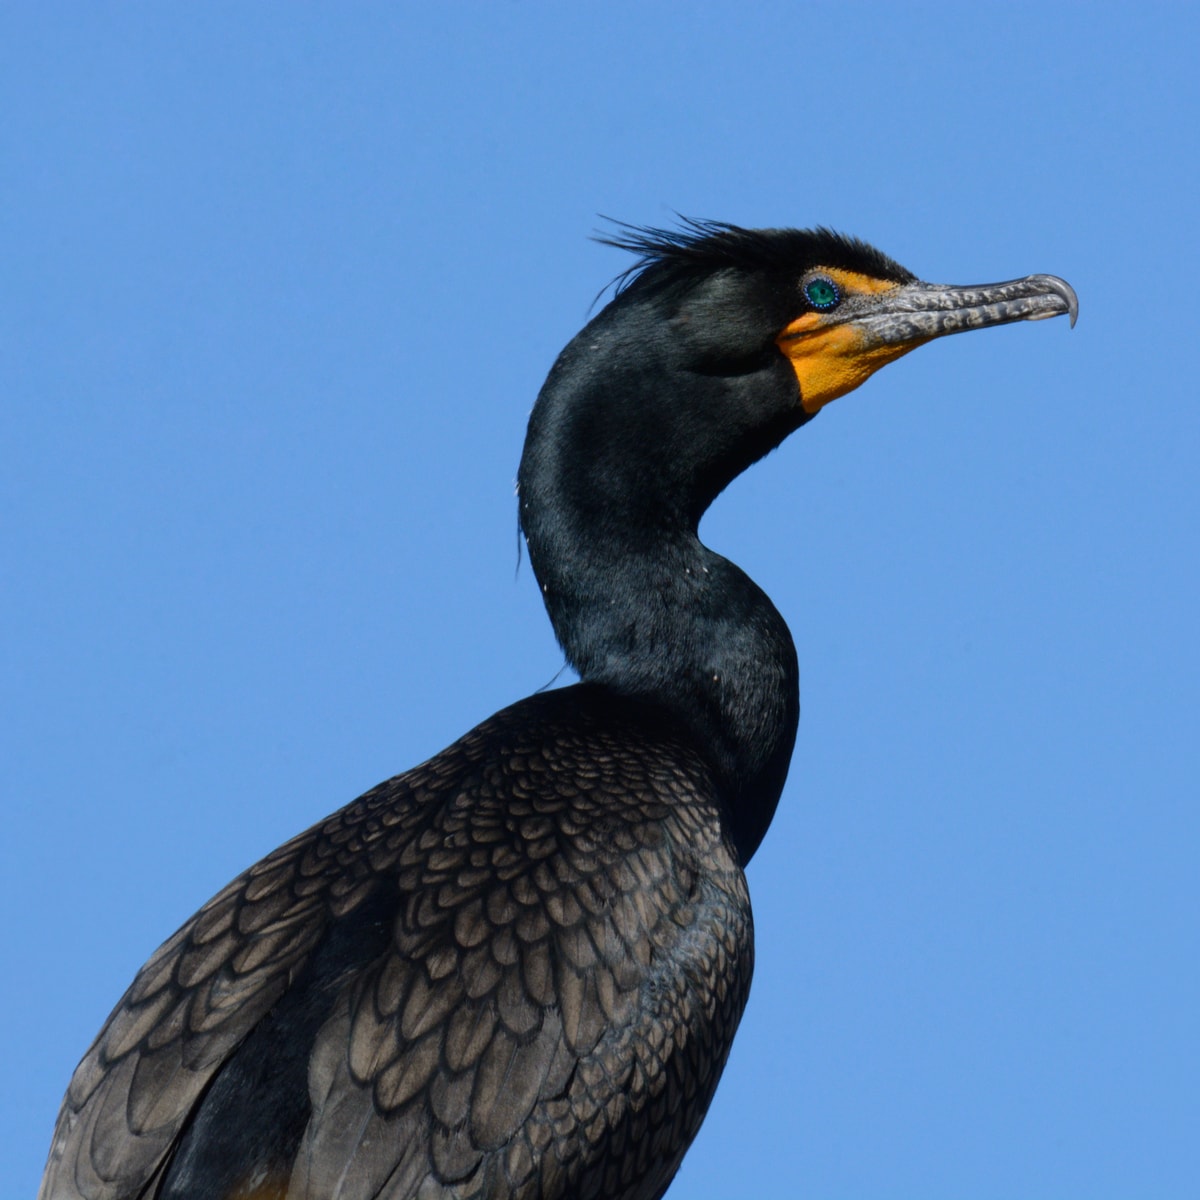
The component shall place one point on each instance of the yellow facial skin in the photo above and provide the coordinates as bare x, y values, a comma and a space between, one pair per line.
830, 354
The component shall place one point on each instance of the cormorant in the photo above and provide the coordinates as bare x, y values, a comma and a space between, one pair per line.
515, 971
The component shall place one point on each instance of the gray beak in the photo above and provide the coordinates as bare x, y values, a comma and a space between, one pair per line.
916, 312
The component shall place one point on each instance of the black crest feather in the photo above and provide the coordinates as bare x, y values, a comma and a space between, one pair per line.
666, 257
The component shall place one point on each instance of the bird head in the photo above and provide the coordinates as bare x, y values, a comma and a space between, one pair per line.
834, 306
718, 344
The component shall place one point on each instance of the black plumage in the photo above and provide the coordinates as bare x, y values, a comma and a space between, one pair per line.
516, 970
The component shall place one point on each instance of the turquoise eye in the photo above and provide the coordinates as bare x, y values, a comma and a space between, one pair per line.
821, 293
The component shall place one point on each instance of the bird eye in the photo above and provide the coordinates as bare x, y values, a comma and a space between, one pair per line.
822, 293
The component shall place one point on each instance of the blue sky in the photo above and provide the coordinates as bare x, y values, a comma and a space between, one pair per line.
281, 284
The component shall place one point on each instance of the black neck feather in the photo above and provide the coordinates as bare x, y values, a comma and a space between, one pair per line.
626, 448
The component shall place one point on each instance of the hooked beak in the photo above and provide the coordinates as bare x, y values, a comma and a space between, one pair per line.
916, 312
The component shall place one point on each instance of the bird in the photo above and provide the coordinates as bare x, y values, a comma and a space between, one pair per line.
515, 971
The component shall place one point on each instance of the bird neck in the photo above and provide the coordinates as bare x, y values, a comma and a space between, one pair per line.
633, 435
653, 614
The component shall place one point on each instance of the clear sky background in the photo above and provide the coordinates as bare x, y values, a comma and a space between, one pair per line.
280, 284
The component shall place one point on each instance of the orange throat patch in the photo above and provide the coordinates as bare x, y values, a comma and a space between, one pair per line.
832, 356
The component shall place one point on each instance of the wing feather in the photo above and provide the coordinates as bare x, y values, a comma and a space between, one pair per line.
544, 950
